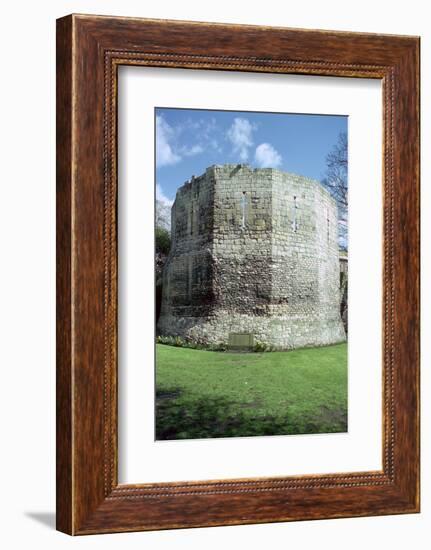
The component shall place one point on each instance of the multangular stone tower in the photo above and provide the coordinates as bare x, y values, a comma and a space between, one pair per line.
254, 252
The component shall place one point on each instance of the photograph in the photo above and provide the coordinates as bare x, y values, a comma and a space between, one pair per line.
251, 273
216, 275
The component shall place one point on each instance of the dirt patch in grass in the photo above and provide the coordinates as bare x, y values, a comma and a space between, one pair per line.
167, 394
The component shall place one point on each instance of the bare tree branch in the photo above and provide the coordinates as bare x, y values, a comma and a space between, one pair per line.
163, 215
335, 181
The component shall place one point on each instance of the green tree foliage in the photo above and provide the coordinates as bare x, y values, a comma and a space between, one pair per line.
163, 240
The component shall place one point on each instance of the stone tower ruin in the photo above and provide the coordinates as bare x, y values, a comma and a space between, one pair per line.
254, 252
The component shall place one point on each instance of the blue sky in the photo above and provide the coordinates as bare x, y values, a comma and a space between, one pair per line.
189, 140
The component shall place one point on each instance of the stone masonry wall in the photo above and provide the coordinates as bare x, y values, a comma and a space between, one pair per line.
253, 251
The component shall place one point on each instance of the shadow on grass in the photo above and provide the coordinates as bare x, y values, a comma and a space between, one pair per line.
211, 417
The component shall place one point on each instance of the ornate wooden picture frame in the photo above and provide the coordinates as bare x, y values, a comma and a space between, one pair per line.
89, 51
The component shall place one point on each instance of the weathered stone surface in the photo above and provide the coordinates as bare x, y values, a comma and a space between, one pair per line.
253, 251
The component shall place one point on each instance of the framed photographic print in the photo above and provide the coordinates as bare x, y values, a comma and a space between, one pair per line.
237, 274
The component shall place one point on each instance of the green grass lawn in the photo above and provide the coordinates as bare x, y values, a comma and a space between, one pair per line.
214, 394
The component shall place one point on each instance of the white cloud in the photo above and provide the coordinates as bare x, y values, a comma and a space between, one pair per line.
164, 151
240, 135
169, 150
163, 209
193, 150
160, 196
266, 156
216, 146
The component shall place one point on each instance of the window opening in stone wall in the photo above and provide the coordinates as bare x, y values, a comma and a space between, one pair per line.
189, 277
243, 208
294, 222
191, 219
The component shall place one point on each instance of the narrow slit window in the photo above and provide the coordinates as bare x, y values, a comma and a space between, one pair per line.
295, 221
243, 209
